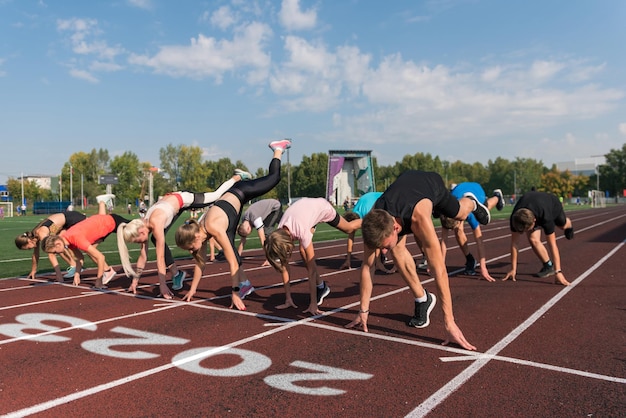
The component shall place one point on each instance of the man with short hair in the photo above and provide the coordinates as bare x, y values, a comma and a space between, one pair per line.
407, 207
533, 212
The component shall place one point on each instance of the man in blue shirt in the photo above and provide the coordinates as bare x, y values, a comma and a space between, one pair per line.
447, 224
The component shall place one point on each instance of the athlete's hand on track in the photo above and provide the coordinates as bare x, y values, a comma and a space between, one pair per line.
359, 322
455, 335
510, 275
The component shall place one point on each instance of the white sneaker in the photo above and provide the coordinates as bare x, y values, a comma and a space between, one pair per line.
245, 288
108, 276
71, 270
243, 174
107, 199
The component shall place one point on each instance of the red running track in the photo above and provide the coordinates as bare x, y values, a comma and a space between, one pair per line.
543, 349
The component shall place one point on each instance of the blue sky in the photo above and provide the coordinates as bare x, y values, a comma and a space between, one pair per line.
468, 80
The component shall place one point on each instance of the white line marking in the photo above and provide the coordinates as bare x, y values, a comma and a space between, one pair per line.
436, 398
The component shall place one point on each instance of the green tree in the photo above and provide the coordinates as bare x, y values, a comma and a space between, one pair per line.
527, 174
501, 173
192, 172
170, 166
32, 192
309, 178
613, 173
128, 171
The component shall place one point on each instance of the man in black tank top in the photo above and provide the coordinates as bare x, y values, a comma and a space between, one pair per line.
406, 207
534, 212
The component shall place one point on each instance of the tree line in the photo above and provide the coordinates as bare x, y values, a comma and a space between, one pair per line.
183, 168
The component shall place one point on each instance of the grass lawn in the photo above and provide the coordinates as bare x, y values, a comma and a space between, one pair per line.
15, 262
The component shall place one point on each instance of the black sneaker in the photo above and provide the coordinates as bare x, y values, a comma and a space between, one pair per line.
546, 271
569, 233
322, 293
498, 193
421, 319
470, 265
481, 212
220, 256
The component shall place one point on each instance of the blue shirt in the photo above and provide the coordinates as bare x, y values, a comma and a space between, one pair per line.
477, 190
366, 203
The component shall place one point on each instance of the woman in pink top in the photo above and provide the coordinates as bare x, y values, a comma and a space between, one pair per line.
298, 223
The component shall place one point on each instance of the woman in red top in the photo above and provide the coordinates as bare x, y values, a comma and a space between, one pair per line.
85, 236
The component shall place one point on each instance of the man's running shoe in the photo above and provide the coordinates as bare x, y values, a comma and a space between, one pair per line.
108, 276
421, 319
498, 193
71, 271
177, 280
546, 271
245, 288
243, 174
283, 144
480, 212
423, 265
470, 265
569, 233
322, 293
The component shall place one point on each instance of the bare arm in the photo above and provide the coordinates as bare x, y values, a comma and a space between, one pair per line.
515, 236
197, 272
423, 228
480, 248
347, 263
556, 259
308, 256
369, 256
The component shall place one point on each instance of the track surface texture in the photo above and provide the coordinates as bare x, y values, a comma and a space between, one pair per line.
542, 349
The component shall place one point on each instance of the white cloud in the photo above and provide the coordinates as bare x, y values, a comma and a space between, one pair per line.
84, 75
622, 128
223, 18
545, 70
210, 57
2, 72
93, 52
292, 18
141, 4
315, 78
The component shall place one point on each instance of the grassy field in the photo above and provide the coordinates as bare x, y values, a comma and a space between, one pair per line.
15, 262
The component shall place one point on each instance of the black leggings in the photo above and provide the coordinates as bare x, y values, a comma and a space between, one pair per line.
245, 191
248, 190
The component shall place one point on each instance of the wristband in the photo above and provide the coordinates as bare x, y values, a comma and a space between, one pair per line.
558, 271
258, 223
362, 311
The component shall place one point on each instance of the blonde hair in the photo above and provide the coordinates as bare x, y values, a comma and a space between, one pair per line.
377, 225
278, 247
186, 235
522, 219
49, 242
126, 232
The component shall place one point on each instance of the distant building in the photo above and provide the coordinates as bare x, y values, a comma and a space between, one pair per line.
43, 181
582, 166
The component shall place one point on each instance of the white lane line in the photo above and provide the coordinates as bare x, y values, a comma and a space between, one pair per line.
436, 398
536, 365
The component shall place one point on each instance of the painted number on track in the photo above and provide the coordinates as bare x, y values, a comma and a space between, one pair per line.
249, 363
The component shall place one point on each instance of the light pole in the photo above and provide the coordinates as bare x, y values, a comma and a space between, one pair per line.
71, 184
288, 179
